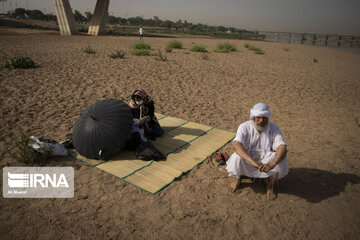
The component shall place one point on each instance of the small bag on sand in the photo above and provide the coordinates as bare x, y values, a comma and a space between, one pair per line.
42, 145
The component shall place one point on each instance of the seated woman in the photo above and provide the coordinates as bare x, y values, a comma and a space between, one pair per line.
142, 107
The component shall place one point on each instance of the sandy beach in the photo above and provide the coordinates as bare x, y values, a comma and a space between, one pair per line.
315, 104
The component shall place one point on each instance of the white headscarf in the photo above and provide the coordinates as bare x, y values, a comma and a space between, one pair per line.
260, 110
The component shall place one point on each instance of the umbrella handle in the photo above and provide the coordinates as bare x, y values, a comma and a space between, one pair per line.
146, 124
141, 111
100, 157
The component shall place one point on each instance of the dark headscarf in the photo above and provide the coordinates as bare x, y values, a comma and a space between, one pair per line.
141, 93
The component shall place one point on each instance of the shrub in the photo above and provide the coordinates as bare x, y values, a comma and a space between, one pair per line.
197, 48
259, 52
286, 49
22, 152
169, 50
160, 56
89, 50
141, 52
204, 56
118, 54
315, 60
255, 49
19, 62
174, 44
140, 45
225, 48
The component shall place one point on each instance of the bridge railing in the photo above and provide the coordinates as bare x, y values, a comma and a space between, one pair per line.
345, 41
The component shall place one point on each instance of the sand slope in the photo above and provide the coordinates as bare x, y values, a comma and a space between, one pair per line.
316, 105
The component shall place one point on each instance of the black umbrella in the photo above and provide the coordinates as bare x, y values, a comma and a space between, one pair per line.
101, 131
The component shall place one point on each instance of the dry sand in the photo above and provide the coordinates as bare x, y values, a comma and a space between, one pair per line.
316, 105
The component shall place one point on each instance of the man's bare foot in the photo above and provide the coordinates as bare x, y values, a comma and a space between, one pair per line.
235, 184
270, 195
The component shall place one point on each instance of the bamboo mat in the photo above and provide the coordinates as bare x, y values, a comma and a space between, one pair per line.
186, 145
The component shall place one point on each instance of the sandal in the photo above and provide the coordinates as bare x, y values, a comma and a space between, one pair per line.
219, 158
225, 156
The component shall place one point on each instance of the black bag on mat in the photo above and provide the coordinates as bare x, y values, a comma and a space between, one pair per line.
147, 151
133, 142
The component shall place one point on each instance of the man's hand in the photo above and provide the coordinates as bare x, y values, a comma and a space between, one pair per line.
279, 156
266, 167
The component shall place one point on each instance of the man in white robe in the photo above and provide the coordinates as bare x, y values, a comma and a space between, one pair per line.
260, 151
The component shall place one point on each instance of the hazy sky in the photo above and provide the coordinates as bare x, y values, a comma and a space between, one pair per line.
311, 16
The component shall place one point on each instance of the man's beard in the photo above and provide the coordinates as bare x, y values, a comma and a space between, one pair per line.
260, 127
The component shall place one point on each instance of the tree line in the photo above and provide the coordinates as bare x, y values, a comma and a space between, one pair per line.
155, 22
179, 25
32, 14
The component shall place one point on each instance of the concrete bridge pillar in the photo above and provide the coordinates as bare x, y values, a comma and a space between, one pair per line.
65, 17
98, 20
